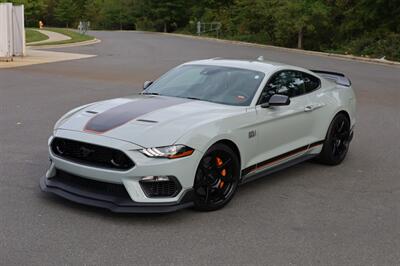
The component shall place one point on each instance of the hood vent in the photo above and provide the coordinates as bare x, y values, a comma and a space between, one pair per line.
92, 112
147, 121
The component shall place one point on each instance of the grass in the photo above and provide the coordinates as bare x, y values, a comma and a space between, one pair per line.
75, 36
32, 35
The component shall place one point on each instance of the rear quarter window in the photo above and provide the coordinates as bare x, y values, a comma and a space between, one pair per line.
311, 82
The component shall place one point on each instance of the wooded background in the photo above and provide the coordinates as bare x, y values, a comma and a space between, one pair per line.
360, 27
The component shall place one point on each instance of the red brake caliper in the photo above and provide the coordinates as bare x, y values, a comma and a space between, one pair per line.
223, 172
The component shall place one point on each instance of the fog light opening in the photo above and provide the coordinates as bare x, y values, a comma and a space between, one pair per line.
160, 186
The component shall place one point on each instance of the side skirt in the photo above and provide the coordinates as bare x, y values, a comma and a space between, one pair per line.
268, 171
251, 173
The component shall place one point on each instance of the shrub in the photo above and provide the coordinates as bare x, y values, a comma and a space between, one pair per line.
387, 45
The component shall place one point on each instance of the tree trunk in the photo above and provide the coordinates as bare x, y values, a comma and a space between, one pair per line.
120, 18
300, 39
165, 27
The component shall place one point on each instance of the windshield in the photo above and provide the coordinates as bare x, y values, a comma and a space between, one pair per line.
226, 85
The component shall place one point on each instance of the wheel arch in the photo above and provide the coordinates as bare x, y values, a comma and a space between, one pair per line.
231, 145
342, 111
345, 113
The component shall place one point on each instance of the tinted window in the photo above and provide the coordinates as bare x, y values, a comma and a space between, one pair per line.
290, 83
311, 82
227, 85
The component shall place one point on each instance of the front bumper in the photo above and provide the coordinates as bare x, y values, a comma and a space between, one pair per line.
135, 199
118, 204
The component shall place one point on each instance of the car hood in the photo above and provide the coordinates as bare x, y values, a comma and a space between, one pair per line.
147, 121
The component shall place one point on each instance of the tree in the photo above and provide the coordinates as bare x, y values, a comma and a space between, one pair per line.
66, 12
118, 14
255, 17
164, 16
299, 18
92, 12
366, 27
34, 10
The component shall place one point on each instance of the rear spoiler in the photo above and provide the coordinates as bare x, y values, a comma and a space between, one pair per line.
338, 78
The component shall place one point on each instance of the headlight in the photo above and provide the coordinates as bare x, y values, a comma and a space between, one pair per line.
170, 152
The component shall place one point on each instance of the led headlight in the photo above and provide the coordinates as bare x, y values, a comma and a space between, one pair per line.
170, 152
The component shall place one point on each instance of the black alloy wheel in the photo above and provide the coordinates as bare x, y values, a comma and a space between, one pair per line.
337, 142
217, 178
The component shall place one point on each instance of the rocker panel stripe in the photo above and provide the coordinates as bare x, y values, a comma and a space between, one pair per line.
272, 161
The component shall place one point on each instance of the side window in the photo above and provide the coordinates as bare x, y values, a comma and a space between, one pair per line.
311, 82
289, 82
286, 82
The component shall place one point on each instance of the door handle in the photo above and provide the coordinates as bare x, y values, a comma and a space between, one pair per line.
312, 107
309, 108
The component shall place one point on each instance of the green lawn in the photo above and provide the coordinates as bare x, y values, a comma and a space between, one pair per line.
32, 35
75, 36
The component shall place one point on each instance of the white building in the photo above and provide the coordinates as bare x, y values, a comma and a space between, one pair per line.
12, 31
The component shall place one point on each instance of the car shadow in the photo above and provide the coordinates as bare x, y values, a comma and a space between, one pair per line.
253, 187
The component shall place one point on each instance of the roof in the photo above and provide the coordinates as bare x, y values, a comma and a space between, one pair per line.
257, 65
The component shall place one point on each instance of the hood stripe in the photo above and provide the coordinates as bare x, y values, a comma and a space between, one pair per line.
119, 115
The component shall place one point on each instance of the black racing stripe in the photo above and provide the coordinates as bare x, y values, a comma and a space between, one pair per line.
119, 115
265, 163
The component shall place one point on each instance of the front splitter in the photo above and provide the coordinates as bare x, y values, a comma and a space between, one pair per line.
97, 200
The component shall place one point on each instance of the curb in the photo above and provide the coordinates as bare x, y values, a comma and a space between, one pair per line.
50, 39
338, 56
37, 57
66, 45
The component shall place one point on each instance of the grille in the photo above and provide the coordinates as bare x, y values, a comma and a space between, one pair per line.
90, 154
93, 186
154, 189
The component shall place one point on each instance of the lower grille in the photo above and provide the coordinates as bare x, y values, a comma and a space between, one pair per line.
154, 189
91, 186
90, 154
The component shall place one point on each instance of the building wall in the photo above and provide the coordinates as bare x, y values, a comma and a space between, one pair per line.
12, 31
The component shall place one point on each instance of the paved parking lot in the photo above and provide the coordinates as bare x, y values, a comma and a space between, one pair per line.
306, 215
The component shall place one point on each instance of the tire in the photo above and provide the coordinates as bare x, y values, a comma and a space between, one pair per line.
217, 178
337, 141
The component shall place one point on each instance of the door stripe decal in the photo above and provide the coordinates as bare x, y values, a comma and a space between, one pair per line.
276, 159
122, 114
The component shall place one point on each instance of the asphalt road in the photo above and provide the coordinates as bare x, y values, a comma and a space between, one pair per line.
306, 215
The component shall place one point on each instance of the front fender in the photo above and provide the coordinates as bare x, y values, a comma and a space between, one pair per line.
235, 129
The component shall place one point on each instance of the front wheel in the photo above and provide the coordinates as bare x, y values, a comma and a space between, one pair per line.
217, 178
337, 141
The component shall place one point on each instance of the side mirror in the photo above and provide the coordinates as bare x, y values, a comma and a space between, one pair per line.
146, 84
277, 100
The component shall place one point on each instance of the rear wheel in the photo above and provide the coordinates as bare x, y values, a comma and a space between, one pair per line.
217, 178
337, 141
